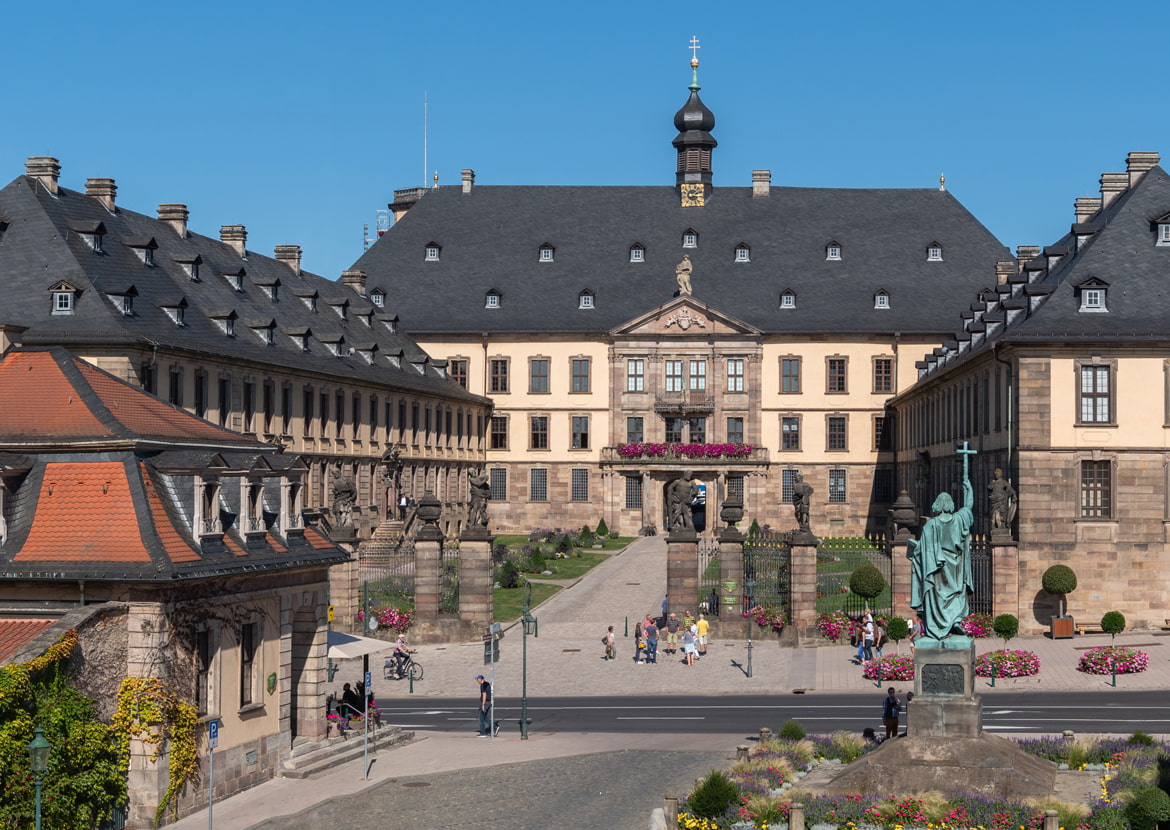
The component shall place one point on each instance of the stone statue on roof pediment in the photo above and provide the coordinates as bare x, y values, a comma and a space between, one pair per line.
682, 273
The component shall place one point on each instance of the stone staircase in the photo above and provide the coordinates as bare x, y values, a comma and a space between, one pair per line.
311, 757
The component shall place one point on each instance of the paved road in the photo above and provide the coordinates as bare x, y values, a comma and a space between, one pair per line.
606, 791
1118, 712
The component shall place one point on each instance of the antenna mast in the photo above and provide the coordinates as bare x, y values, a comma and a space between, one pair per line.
425, 165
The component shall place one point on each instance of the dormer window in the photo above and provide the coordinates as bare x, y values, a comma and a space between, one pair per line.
432, 252
235, 279
637, 253
881, 300
190, 266
335, 347
124, 301
743, 253
1092, 293
176, 310
299, 337
546, 252
144, 249
833, 252
378, 297
64, 296
390, 322
788, 299
585, 300
934, 252
266, 332
225, 321
367, 319
492, 300
690, 239
341, 308
1163, 240
92, 234
367, 354
310, 300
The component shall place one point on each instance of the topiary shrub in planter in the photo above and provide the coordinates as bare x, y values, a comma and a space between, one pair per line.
867, 582
712, 797
1113, 623
1059, 580
1148, 806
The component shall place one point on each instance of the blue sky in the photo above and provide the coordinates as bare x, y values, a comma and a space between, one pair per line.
299, 119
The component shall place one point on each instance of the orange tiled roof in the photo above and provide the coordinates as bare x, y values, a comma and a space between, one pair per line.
85, 513
16, 634
37, 400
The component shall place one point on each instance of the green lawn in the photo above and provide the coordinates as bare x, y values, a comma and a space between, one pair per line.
507, 602
572, 567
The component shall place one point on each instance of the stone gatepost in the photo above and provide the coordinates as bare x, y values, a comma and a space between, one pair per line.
804, 584
682, 571
147, 777
428, 551
900, 578
1005, 575
475, 577
731, 622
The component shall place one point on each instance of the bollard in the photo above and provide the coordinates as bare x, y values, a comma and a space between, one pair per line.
796, 817
671, 810
1068, 733
741, 752
1051, 820
765, 734
627, 626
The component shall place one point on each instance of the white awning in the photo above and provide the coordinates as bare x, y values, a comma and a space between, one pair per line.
345, 646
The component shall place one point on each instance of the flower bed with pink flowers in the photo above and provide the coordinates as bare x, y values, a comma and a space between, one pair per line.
978, 625
833, 625
890, 667
1007, 663
767, 618
644, 450
1107, 659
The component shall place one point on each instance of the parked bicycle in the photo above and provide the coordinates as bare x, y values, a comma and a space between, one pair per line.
412, 669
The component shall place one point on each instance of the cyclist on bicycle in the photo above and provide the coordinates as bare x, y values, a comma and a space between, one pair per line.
401, 654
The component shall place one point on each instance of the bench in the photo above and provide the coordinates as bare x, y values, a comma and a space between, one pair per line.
1089, 628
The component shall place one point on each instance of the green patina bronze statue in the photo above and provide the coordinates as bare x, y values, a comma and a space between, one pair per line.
940, 567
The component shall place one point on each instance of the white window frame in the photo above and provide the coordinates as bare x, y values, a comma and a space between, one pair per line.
833, 253
378, 299
585, 300
491, 300
881, 301
432, 253
934, 253
1093, 300
788, 300
743, 253
1164, 233
546, 253
690, 239
637, 254
62, 302
674, 376
635, 374
735, 374
697, 375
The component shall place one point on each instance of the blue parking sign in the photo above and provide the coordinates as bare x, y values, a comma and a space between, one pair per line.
213, 733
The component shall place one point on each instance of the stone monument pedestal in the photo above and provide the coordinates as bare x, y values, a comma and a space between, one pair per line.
945, 704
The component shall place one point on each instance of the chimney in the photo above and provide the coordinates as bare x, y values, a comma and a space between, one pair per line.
104, 190
1025, 254
45, 169
355, 280
236, 236
10, 337
1112, 186
290, 255
1004, 270
175, 215
761, 182
468, 180
1086, 206
1137, 163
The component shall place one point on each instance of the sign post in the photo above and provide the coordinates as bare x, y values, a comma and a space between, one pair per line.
212, 743
367, 691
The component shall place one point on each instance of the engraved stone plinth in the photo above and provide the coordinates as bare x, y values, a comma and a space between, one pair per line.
945, 704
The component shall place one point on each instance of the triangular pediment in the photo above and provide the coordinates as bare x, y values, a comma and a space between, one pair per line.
684, 316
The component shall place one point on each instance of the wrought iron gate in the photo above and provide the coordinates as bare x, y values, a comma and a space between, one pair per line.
708, 569
767, 572
837, 559
982, 598
449, 580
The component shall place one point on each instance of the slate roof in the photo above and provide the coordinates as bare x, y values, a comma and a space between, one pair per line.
489, 240
50, 395
42, 245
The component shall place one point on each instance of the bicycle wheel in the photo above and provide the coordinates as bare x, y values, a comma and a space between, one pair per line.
415, 670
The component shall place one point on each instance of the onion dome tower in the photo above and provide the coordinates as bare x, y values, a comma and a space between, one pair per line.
694, 143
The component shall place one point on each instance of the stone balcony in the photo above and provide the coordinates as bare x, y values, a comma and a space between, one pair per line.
684, 403
758, 457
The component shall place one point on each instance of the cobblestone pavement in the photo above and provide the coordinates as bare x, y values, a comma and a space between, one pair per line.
605, 791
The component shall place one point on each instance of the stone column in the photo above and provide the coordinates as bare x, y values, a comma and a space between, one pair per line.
900, 577
682, 571
731, 623
804, 587
475, 577
147, 776
428, 550
345, 595
646, 514
1005, 576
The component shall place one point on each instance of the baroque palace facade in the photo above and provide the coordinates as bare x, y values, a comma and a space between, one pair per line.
765, 327
251, 343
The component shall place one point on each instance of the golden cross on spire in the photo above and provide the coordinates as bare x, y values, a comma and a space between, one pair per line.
694, 48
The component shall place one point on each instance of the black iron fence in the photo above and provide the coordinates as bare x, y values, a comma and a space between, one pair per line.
837, 559
767, 572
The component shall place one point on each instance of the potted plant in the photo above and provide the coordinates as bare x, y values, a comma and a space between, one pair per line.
1060, 580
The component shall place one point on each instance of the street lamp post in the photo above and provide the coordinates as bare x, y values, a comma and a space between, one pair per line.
528, 622
750, 585
38, 752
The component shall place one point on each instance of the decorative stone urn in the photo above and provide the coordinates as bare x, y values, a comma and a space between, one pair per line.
904, 515
732, 511
429, 510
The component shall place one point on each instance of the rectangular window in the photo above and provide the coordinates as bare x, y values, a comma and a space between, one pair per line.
790, 433
735, 374
735, 430
307, 404
579, 490
633, 492
787, 480
880, 437
634, 430
249, 405
373, 417
539, 439
836, 486
735, 487
498, 376
1096, 490
499, 482
538, 375
790, 375
883, 374
538, 484
835, 378
883, 486
249, 645
580, 432
203, 653
698, 375
635, 375
580, 377
674, 376
339, 413
499, 433
286, 409
458, 370
225, 400
200, 395
323, 413
1095, 395
697, 429
268, 405
674, 428
175, 393
835, 435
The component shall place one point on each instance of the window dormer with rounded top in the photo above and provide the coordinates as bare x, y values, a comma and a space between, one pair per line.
743, 252
934, 252
585, 299
492, 299
432, 251
788, 298
637, 253
547, 253
833, 252
690, 238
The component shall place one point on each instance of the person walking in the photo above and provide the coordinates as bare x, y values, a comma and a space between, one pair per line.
879, 638
608, 639
671, 635
485, 708
891, 706
651, 632
701, 629
689, 647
